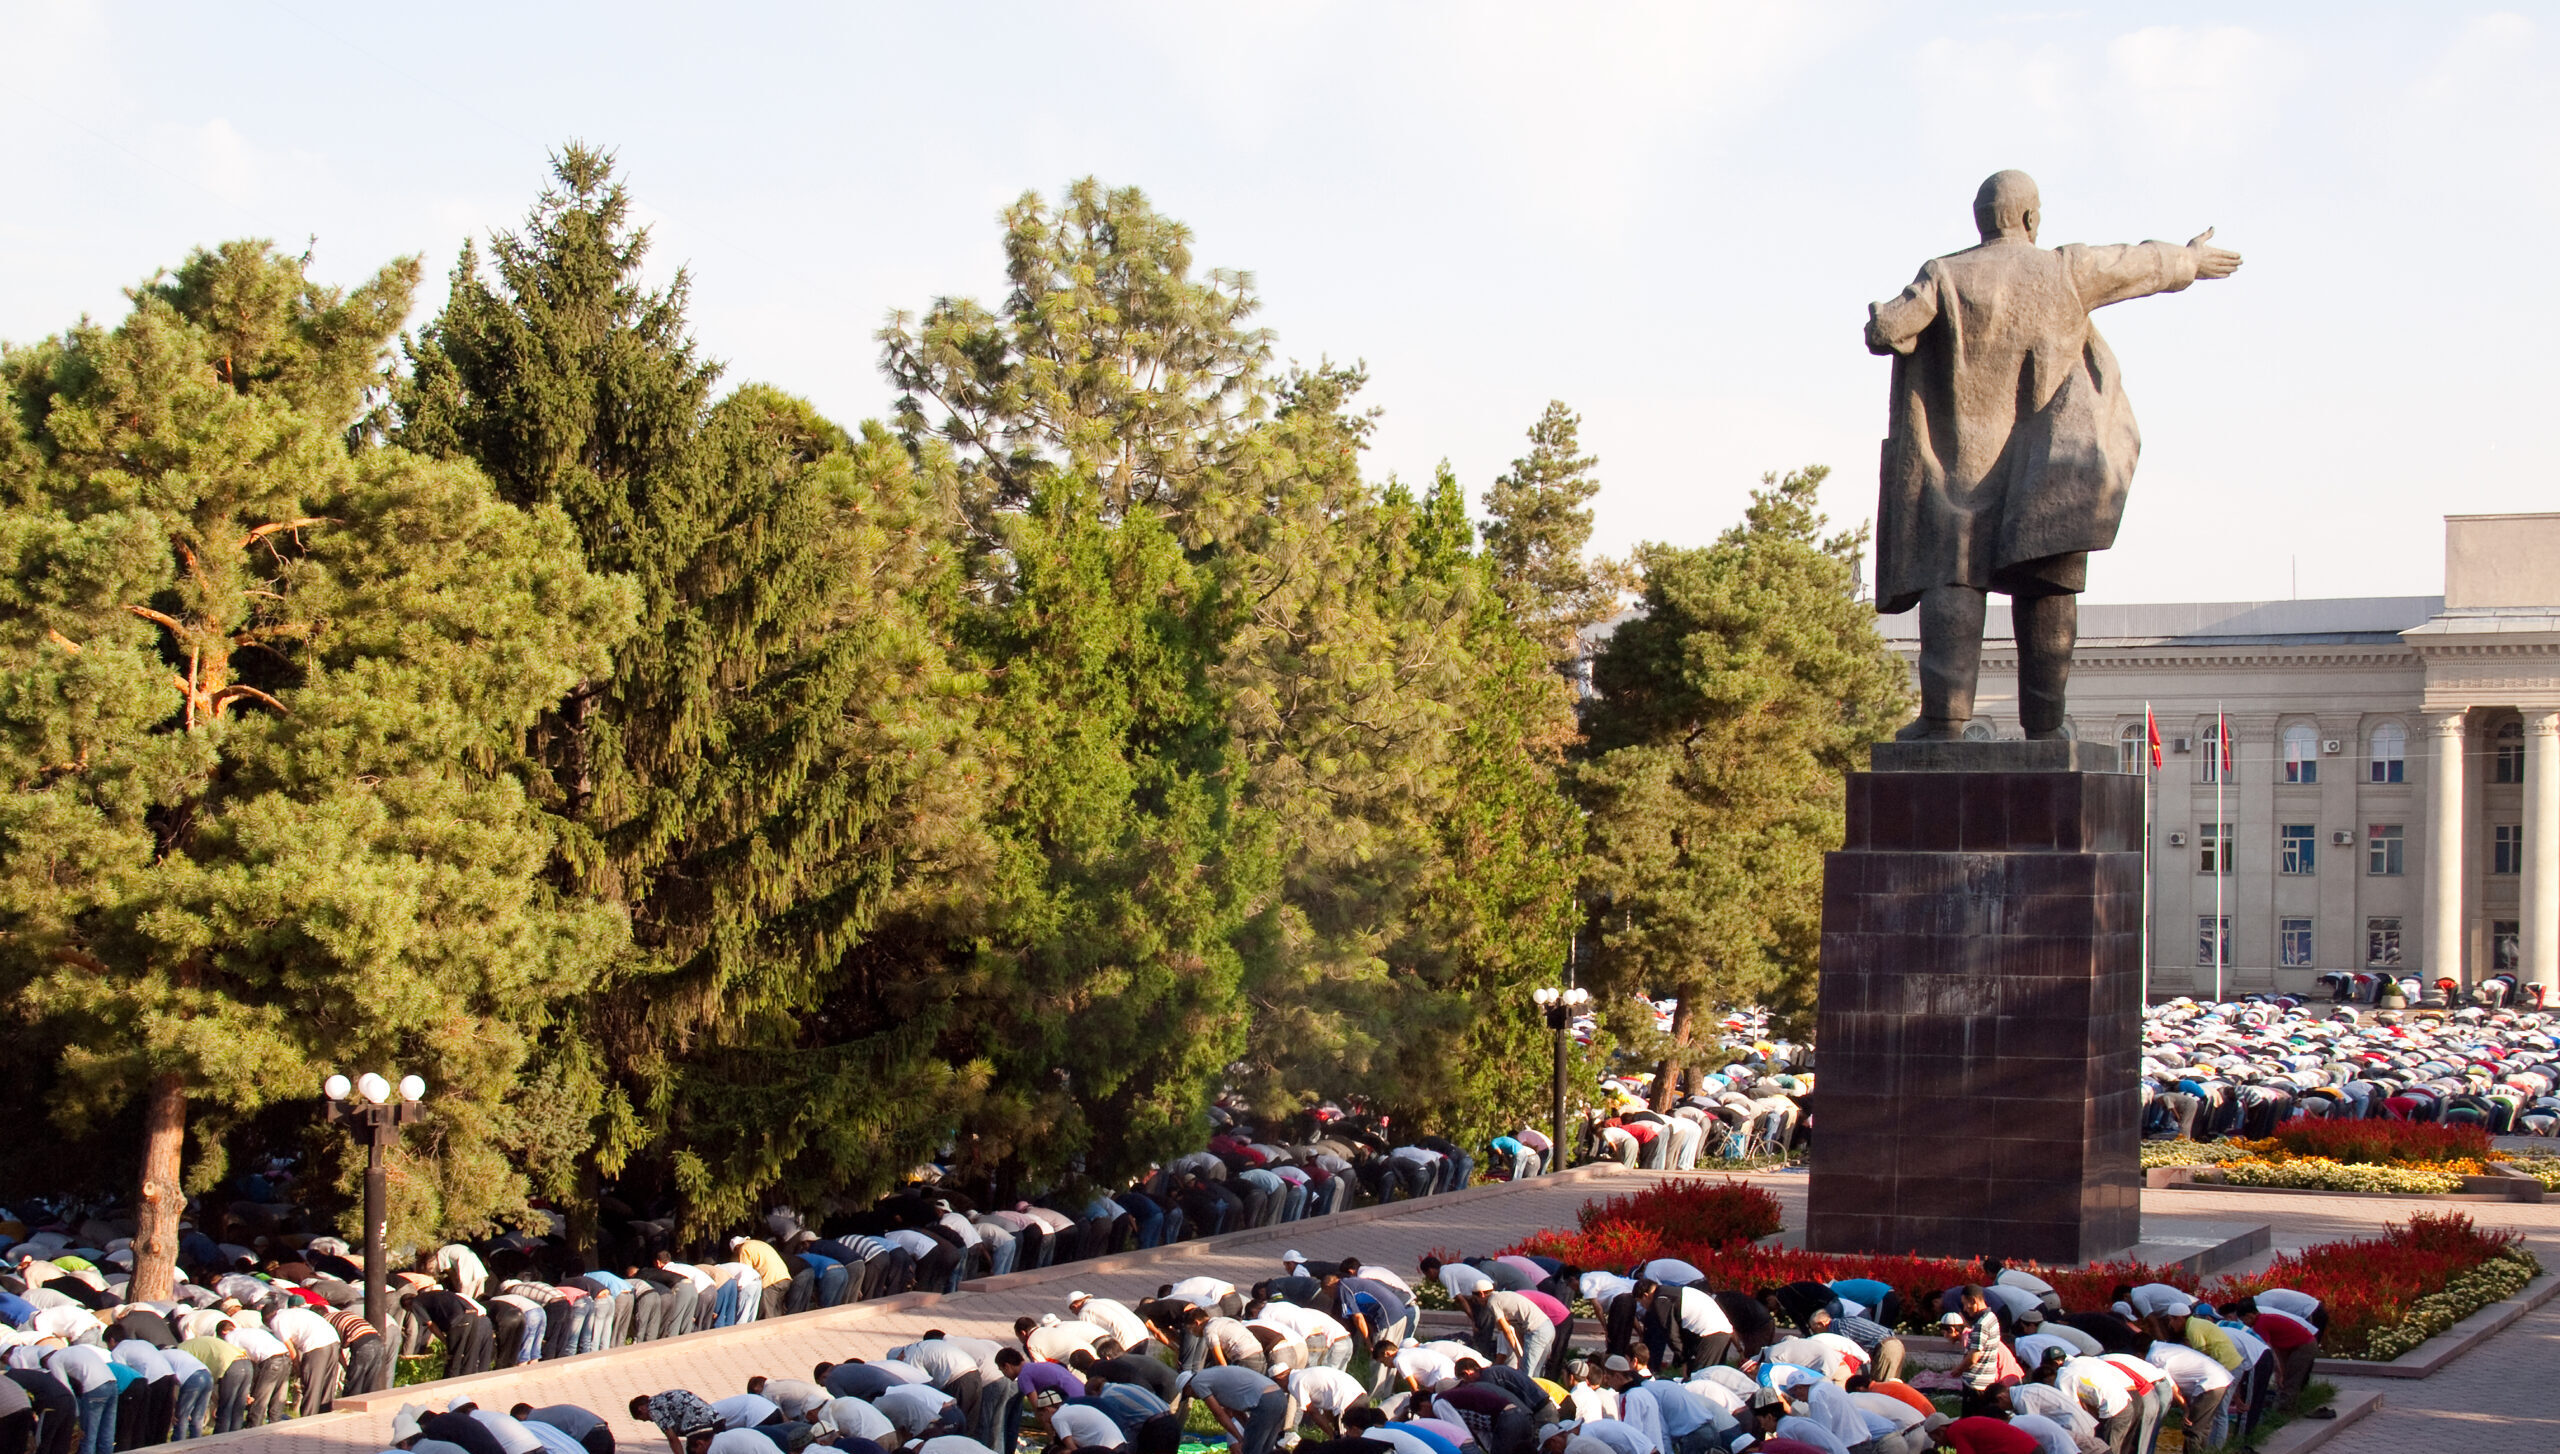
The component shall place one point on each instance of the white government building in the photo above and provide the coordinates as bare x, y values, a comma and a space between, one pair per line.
2393, 800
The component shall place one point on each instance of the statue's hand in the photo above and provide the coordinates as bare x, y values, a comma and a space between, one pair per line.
2212, 262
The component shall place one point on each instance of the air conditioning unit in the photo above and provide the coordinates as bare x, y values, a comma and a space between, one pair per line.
2182, 744
2342, 838
2178, 840
2329, 746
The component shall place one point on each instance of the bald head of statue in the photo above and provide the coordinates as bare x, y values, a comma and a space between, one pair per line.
2007, 206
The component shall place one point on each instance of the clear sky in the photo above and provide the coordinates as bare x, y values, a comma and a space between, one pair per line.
1671, 217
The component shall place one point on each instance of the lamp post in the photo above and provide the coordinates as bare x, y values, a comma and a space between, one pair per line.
1560, 1006
366, 1109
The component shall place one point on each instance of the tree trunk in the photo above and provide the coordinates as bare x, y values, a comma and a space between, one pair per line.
155, 1242
1666, 1078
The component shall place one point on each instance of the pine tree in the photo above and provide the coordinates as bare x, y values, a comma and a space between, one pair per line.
265, 697
1539, 535
778, 756
1729, 710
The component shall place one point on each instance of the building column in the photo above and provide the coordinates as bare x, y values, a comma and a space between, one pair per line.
2445, 736
2540, 892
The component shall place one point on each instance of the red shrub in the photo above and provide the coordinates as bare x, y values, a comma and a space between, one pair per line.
1692, 1213
2375, 1143
2367, 1283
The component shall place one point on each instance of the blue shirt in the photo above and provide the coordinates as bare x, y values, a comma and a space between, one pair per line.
617, 1284
1863, 1290
16, 1311
1439, 1442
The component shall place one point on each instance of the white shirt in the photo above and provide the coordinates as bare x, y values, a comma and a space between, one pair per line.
742, 1441
1622, 1436
952, 1444
1325, 1390
1637, 1409
1701, 1314
744, 1410
1304, 1323
2285, 1300
1052, 1342
2052, 1403
854, 1419
912, 1406
1590, 1401
2096, 1385
302, 1330
2015, 1300
940, 1358
1797, 1426
513, 1437
2194, 1372
1605, 1287
1885, 1406
1461, 1280
1088, 1426
2050, 1437
2012, 1277
1116, 1319
1202, 1291
2158, 1297
1426, 1367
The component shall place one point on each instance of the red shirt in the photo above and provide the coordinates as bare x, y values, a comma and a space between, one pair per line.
2283, 1332
1978, 1435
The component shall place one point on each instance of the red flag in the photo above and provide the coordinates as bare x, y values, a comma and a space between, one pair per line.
2151, 729
2222, 734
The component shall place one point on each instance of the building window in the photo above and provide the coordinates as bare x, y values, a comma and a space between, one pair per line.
2293, 943
2390, 746
2137, 750
2382, 942
2206, 924
2382, 849
2506, 950
2301, 842
2506, 760
2506, 848
2209, 747
2213, 848
2301, 753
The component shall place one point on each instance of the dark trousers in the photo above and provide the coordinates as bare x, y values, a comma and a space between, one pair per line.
231, 1396
54, 1423
368, 1368
268, 1389
469, 1344
319, 1369
133, 1415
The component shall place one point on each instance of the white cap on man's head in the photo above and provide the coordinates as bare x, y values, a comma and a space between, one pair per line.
1076, 1298
1292, 1257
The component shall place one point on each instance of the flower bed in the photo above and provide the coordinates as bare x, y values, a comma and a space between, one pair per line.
2385, 1294
2308, 1155
2380, 1143
2318, 1173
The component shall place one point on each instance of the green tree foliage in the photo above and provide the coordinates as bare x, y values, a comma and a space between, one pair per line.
779, 754
1729, 712
1539, 538
263, 698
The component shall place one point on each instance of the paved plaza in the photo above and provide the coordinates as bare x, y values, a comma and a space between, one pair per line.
2489, 1402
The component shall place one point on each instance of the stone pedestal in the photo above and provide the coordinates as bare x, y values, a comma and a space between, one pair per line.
1980, 1017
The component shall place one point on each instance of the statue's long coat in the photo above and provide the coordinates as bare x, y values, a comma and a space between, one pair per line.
2012, 441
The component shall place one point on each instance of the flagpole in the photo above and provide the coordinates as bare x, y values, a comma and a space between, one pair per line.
2150, 797
2221, 840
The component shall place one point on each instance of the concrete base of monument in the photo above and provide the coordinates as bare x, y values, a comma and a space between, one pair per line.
2200, 1245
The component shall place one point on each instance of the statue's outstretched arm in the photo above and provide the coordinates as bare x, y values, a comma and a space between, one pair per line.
1895, 326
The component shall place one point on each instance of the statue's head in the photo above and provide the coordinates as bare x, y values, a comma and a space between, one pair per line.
2007, 206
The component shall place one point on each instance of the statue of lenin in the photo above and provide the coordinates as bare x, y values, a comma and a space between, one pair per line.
2011, 445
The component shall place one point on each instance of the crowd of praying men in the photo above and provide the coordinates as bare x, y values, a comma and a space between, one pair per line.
2238, 1068
268, 1323
1326, 1357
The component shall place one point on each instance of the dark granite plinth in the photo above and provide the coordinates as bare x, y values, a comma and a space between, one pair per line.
2052, 754
1980, 1017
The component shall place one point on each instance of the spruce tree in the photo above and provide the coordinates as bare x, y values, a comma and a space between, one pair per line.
1539, 536
264, 702
777, 756
1729, 710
